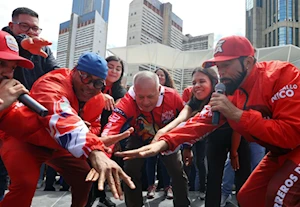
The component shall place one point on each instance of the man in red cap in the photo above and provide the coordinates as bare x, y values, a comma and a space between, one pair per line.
73, 98
263, 105
10, 89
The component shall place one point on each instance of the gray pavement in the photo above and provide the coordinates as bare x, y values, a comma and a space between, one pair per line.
63, 199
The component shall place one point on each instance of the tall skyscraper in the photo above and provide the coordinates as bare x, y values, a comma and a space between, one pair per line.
151, 21
86, 31
200, 42
273, 22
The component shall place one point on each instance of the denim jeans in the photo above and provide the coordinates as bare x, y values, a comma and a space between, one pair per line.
3, 179
257, 152
151, 169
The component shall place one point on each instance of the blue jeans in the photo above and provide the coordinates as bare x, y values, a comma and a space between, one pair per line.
257, 152
3, 179
151, 168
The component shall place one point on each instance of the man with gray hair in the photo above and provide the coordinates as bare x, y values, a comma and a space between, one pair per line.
148, 106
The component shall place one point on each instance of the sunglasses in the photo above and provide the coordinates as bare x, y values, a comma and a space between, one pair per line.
87, 79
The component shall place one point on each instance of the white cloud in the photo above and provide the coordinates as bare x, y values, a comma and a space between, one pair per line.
222, 17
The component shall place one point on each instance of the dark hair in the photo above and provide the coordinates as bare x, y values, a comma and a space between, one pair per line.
169, 81
213, 77
211, 73
24, 10
115, 58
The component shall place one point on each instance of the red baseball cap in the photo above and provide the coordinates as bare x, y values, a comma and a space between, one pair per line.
229, 48
9, 50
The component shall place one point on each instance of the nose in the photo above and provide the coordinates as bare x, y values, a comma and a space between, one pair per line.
9, 74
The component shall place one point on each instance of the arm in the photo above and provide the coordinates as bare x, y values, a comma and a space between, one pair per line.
235, 143
193, 130
183, 116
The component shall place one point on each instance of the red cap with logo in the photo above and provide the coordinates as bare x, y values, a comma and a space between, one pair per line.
229, 48
9, 50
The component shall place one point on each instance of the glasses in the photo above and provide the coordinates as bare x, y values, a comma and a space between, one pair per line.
26, 27
87, 79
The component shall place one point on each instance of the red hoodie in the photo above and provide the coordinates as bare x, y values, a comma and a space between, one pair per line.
62, 127
270, 98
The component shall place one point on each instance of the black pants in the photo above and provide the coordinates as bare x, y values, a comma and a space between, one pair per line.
3, 179
218, 145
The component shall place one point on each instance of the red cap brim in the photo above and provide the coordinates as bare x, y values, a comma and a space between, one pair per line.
212, 62
22, 62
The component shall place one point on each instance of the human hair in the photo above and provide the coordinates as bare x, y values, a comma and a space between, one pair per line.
213, 77
144, 75
115, 58
23, 10
211, 73
169, 81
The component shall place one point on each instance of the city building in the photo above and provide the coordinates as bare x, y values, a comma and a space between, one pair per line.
273, 22
85, 31
151, 21
200, 42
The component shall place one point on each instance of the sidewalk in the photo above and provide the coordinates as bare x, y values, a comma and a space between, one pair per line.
63, 199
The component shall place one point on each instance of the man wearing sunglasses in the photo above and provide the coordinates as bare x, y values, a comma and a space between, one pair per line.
75, 103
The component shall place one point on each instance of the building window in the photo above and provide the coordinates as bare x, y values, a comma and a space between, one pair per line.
259, 3
297, 37
296, 11
274, 11
282, 10
290, 10
266, 40
269, 44
290, 36
282, 36
270, 13
274, 37
132, 37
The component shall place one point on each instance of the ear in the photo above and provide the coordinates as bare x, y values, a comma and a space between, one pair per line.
11, 25
249, 62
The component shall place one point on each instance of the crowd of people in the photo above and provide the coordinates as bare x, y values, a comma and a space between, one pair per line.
97, 133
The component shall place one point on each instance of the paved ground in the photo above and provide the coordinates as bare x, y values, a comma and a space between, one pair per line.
63, 199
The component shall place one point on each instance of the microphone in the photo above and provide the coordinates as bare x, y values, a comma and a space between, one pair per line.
219, 88
33, 105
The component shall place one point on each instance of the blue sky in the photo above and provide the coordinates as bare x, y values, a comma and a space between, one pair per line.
221, 17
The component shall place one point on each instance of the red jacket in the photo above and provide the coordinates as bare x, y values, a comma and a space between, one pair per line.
145, 124
62, 127
270, 98
187, 94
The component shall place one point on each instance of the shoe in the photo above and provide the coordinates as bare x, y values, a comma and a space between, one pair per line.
225, 199
39, 184
169, 192
106, 202
202, 195
49, 188
151, 191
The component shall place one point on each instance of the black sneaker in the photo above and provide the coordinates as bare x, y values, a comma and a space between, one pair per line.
106, 202
49, 188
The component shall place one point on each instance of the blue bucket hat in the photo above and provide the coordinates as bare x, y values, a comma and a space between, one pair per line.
93, 64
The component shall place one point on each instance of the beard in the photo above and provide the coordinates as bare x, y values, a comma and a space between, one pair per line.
233, 84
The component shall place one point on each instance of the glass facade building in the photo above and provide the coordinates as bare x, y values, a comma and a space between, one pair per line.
272, 22
81, 7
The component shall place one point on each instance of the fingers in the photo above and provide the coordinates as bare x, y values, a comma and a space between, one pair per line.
101, 180
19, 89
126, 179
111, 182
43, 53
118, 184
1, 101
93, 175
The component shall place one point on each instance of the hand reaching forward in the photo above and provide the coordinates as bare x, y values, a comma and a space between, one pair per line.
109, 102
113, 139
10, 90
35, 45
146, 151
107, 169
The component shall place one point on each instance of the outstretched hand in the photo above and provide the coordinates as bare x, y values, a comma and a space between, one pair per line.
113, 139
146, 151
35, 45
107, 169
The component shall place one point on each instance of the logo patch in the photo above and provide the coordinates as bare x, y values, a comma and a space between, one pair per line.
219, 46
11, 43
286, 91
